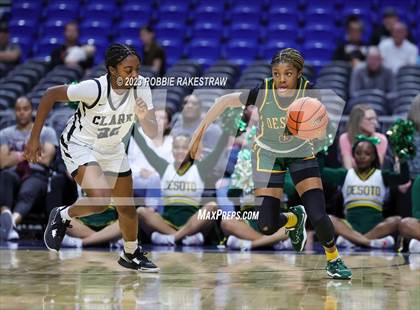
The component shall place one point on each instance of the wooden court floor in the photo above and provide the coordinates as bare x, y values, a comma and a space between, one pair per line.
75, 279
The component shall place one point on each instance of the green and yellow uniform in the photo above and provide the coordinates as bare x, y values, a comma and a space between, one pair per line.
101, 220
364, 195
181, 193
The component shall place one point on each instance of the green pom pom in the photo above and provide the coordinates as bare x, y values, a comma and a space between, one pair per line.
232, 121
401, 138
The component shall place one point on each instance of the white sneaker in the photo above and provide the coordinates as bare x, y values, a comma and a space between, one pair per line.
383, 243
235, 243
162, 239
283, 245
414, 246
343, 242
196, 239
13, 235
71, 242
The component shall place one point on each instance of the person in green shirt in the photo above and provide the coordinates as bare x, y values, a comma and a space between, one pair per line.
275, 151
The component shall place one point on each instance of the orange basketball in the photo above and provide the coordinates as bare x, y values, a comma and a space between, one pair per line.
307, 118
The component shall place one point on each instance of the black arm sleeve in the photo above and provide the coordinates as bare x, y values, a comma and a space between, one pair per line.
393, 179
155, 161
250, 98
205, 166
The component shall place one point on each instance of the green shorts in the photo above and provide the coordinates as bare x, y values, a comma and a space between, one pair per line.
178, 215
363, 219
268, 170
101, 220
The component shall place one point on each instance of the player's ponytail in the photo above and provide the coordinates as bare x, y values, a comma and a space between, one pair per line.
116, 53
289, 55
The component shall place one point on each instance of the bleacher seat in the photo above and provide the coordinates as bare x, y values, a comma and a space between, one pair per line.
139, 11
170, 30
270, 48
62, 11
241, 52
204, 52
207, 31
208, 13
283, 16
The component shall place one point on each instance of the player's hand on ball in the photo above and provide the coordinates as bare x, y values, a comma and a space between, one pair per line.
141, 109
32, 151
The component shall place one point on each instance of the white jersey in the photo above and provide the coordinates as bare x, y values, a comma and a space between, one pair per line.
185, 189
364, 193
103, 117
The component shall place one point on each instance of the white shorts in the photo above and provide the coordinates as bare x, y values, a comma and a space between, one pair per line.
112, 160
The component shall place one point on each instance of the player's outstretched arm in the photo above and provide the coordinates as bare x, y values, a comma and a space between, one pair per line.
52, 95
221, 104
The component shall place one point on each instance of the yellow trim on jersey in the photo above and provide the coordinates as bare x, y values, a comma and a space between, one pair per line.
367, 176
181, 200
296, 96
363, 204
264, 101
265, 170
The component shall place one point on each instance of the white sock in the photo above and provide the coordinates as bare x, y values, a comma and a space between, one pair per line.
65, 214
158, 238
414, 246
130, 246
382, 243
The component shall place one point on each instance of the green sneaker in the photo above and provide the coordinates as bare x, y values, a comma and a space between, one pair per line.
336, 269
297, 234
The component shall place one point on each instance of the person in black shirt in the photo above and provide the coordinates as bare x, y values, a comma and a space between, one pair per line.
72, 52
153, 54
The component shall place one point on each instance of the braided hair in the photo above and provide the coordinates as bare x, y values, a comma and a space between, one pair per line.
289, 55
116, 53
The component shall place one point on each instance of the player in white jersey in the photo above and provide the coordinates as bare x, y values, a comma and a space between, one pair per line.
93, 151
363, 190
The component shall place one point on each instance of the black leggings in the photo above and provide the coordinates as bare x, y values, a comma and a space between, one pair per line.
21, 196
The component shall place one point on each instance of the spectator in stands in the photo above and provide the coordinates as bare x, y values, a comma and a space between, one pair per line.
410, 226
21, 183
363, 120
398, 51
9, 52
146, 180
372, 74
153, 54
383, 31
72, 52
189, 121
353, 49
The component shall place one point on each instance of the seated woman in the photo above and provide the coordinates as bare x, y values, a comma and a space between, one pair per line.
363, 189
363, 120
181, 195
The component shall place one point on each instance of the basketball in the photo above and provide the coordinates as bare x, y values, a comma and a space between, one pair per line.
307, 118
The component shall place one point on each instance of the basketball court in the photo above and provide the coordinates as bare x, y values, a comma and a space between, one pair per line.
210, 278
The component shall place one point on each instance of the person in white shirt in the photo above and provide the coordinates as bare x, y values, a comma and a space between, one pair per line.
398, 51
93, 151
